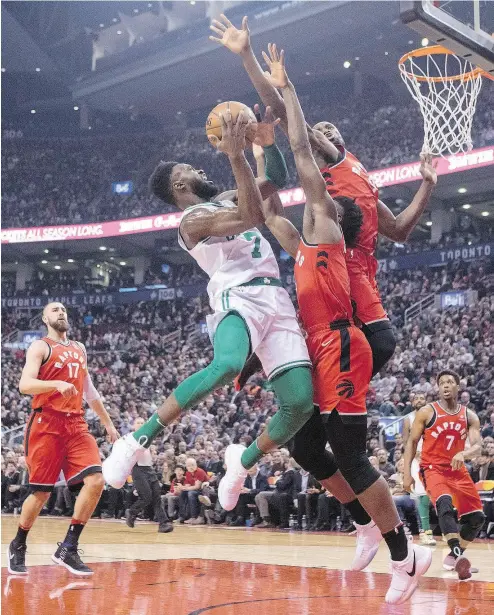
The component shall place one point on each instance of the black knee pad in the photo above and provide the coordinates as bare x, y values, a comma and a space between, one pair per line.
444, 506
382, 342
347, 438
308, 448
471, 524
358, 471
446, 515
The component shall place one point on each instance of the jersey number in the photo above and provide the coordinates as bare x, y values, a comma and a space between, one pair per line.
450, 439
256, 252
75, 367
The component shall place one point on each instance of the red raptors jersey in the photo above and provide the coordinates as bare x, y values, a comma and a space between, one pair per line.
323, 287
349, 178
444, 437
66, 361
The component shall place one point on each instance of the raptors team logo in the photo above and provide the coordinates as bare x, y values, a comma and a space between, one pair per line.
345, 389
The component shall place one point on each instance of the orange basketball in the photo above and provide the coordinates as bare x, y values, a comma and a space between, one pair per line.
213, 123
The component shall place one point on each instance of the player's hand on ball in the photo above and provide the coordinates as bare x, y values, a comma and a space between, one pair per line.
428, 169
458, 461
66, 389
229, 36
232, 141
276, 63
408, 483
265, 127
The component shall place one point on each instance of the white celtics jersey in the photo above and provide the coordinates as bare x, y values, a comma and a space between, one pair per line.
232, 261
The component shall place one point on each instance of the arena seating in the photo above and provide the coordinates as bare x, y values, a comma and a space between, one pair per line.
135, 364
69, 180
139, 352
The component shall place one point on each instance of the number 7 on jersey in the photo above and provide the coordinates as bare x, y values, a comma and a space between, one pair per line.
256, 252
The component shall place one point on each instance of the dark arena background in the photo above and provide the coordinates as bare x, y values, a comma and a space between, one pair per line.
94, 95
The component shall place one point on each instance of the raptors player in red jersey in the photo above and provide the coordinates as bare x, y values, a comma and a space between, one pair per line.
445, 426
340, 353
57, 437
346, 177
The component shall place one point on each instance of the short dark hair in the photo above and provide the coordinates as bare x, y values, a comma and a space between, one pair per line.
352, 220
159, 183
448, 372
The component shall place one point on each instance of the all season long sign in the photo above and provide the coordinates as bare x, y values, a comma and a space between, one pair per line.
295, 196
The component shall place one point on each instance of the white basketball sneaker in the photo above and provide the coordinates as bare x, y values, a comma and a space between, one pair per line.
233, 481
368, 539
119, 464
406, 574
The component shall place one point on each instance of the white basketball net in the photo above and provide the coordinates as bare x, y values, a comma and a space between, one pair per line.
447, 103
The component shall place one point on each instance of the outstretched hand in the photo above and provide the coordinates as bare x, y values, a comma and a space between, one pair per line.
428, 169
234, 39
232, 141
276, 63
265, 127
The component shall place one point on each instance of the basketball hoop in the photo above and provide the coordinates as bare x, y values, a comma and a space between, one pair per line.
446, 88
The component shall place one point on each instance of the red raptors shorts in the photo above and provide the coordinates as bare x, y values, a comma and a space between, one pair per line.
342, 367
458, 484
57, 441
362, 270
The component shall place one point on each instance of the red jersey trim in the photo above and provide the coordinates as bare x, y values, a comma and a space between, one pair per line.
438, 408
67, 344
49, 351
81, 347
323, 245
335, 164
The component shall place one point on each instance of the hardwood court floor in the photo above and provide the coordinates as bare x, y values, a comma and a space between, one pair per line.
225, 571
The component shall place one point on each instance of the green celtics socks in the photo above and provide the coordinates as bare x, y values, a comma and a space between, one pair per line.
293, 389
231, 349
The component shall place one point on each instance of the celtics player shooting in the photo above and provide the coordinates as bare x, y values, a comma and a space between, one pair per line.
251, 310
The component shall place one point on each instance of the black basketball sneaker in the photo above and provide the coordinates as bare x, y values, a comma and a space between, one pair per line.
69, 557
16, 558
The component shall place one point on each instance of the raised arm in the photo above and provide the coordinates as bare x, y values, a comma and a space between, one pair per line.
30, 384
203, 223
285, 232
320, 214
274, 215
238, 41
421, 419
398, 228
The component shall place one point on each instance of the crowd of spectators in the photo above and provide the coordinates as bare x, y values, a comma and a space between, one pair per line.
91, 278
59, 181
94, 279
139, 353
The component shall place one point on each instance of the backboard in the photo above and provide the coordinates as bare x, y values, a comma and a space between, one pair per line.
466, 28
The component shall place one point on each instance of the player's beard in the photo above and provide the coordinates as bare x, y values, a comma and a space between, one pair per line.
59, 325
204, 189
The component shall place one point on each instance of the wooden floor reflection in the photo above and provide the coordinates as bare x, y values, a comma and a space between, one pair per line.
207, 570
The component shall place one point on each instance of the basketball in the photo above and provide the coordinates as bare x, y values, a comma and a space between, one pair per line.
213, 123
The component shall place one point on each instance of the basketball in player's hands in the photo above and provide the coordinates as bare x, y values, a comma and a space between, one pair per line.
233, 139
213, 123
